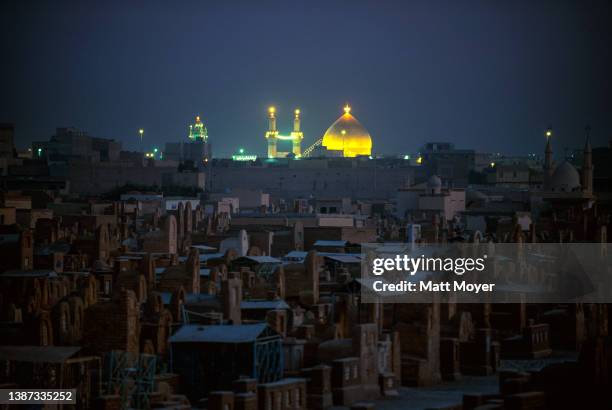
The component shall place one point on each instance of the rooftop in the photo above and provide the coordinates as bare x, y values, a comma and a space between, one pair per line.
262, 259
38, 354
331, 243
264, 304
219, 333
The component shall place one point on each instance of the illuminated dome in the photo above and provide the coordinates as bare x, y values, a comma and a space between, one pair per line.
348, 135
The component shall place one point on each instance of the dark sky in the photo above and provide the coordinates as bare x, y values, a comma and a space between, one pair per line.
489, 75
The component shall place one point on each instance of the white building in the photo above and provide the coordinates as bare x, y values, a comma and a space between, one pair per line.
422, 201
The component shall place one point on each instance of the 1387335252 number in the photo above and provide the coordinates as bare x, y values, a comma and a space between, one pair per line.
35, 396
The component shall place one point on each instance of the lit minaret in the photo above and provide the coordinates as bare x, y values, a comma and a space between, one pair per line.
272, 133
587, 164
272, 119
296, 121
297, 135
548, 161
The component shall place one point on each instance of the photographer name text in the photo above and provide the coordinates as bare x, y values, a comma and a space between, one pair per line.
430, 286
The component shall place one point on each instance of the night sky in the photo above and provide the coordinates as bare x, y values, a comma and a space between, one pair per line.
488, 75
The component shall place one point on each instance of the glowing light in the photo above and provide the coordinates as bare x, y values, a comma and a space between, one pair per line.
244, 157
347, 109
198, 131
297, 111
272, 110
419, 160
343, 132
286, 137
155, 150
548, 133
141, 131
39, 150
241, 150
492, 164
406, 156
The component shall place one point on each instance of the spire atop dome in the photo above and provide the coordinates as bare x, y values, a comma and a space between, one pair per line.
347, 109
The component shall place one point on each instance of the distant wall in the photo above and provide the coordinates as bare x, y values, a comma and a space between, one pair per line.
357, 183
97, 178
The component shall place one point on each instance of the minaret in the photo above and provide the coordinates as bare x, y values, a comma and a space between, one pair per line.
587, 164
272, 132
296, 121
548, 161
297, 135
272, 119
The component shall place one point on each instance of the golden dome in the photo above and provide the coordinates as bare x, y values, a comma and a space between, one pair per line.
348, 135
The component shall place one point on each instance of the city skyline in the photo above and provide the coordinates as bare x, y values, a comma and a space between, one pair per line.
147, 147
486, 76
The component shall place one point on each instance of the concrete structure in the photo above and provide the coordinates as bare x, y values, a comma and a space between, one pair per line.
511, 175
449, 163
99, 177
251, 198
423, 201
357, 178
7, 141
210, 357
69, 143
